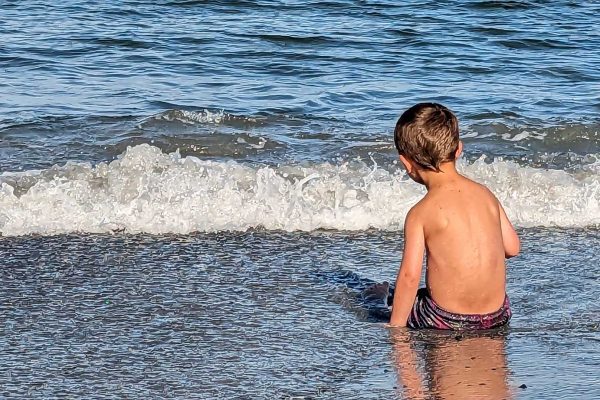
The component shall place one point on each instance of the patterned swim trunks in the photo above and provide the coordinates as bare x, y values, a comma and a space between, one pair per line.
427, 314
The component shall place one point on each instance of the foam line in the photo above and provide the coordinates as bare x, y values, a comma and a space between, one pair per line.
145, 190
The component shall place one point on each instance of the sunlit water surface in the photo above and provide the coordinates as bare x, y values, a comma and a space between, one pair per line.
267, 314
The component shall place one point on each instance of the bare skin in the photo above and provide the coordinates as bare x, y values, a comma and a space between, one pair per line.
466, 235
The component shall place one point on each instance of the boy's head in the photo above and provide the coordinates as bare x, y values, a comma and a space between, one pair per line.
427, 133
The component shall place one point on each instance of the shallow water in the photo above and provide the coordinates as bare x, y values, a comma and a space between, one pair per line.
262, 314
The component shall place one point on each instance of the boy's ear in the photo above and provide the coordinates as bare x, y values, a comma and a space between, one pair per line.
406, 162
459, 150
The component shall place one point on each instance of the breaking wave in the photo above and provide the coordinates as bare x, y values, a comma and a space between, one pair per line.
146, 190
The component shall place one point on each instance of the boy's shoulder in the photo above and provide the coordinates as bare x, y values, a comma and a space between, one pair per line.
419, 210
437, 203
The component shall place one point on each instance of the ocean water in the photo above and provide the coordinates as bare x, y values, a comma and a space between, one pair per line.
192, 194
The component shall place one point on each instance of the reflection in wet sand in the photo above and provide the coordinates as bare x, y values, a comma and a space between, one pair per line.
433, 365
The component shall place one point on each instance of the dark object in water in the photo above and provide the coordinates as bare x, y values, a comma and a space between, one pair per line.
523, 386
377, 293
376, 299
370, 299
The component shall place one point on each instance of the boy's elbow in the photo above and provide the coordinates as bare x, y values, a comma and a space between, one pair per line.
511, 254
512, 249
408, 278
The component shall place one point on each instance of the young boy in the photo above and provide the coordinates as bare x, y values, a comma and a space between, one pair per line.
461, 227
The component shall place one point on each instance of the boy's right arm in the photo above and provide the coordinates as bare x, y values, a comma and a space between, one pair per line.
512, 244
409, 275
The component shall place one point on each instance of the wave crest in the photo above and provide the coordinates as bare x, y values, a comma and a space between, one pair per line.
146, 190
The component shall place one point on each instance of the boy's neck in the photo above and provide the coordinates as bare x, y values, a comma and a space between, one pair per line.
435, 179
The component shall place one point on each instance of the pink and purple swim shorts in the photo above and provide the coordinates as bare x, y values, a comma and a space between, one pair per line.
427, 314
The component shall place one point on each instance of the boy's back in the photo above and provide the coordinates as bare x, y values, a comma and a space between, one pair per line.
465, 256
459, 225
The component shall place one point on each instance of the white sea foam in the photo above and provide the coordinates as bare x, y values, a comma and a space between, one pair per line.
145, 190
191, 117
